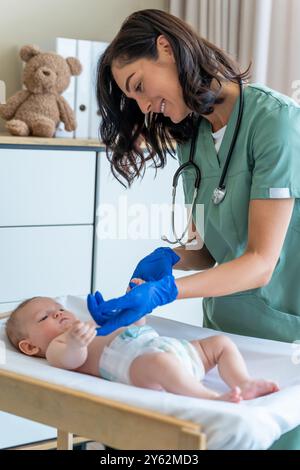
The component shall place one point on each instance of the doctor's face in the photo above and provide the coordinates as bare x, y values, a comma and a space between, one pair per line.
153, 84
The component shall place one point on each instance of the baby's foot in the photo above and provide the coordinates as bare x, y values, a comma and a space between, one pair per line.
234, 396
254, 388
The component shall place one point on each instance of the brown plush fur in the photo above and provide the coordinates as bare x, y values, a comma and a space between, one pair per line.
38, 110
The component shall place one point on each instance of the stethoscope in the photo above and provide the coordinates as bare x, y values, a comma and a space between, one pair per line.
220, 192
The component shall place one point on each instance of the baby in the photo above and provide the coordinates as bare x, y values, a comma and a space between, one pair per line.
134, 355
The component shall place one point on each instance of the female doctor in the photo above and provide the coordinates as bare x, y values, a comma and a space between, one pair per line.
159, 81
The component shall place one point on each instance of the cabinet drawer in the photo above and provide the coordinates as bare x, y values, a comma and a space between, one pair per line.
46, 187
48, 261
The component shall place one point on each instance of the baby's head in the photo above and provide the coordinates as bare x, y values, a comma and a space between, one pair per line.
35, 323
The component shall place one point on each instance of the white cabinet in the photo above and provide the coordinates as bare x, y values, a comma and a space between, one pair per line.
47, 199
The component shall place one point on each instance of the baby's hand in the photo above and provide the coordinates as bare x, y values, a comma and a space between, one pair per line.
135, 281
81, 334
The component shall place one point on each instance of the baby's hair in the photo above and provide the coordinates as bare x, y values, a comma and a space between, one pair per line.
14, 327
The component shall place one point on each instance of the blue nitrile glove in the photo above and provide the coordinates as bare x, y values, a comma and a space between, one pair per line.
129, 308
156, 265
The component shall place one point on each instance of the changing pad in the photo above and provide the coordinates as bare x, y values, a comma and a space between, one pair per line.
253, 424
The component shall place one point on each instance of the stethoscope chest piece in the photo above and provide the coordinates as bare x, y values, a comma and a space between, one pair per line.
218, 196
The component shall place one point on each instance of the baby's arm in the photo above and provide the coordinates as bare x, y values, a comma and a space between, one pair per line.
140, 322
70, 350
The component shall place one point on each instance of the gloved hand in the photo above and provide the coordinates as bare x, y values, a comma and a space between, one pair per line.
156, 265
129, 308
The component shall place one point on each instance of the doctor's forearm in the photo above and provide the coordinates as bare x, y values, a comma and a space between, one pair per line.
247, 272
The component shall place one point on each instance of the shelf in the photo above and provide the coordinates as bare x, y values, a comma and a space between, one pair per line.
7, 140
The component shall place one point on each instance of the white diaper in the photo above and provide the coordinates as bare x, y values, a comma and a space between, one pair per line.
117, 358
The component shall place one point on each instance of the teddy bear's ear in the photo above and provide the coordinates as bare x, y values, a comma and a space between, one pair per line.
27, 52
74, 65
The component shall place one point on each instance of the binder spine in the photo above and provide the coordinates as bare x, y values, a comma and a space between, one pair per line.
2, 92
83, 89
67, 48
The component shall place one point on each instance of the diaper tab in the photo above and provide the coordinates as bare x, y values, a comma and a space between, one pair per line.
135, 331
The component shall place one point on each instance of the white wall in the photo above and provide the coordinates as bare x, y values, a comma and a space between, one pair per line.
39, 21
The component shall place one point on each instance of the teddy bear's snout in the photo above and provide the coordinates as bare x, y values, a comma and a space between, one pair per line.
45, 77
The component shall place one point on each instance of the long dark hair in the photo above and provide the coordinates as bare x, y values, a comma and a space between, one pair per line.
198, 63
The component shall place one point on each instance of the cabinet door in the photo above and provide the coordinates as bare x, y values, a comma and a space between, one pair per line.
46, 187
48, 261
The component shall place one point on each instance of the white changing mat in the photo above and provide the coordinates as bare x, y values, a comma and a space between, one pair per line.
253, 424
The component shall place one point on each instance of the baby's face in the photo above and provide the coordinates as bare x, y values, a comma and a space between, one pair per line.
44, 320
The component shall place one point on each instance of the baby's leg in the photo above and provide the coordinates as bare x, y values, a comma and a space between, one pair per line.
164, 371
221, 351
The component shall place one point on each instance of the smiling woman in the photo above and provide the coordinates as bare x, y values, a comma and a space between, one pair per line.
150, 85
154, 85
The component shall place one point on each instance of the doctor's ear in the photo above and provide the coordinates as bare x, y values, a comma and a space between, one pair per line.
164, 47
27, 348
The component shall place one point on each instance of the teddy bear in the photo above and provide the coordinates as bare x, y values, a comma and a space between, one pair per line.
38, 109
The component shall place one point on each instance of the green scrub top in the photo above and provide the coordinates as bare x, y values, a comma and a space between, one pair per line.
265, 164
